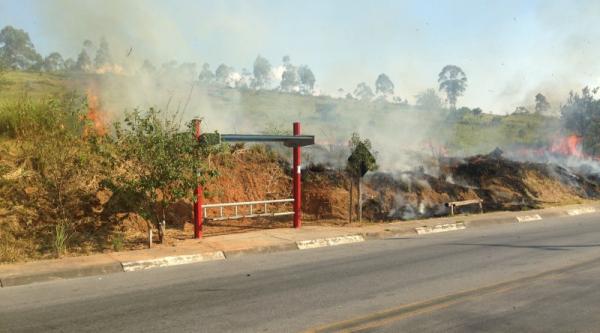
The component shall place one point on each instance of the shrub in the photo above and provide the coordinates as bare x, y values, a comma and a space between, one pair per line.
159, 163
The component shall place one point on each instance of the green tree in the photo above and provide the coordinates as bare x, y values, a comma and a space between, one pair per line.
222, 73
53, 63
383, 85
69, 64
103, 56
581, 117
206, 75
262, 72
429, 100
453, 81
360, 162
162, 162
363, 92
16, 49
541, 103
84, 63
307, 79
289, 79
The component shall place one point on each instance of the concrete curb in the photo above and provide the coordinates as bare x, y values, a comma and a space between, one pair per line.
581, 211
60, 274
528, 218
440, 228
105, 264
331, 241
132, 266
261, 249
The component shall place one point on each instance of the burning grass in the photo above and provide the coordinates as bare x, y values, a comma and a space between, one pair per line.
502, 184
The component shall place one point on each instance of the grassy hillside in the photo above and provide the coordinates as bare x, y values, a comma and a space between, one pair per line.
331, 120
53, 194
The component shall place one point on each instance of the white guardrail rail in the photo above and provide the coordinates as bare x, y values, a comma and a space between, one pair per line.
261, 209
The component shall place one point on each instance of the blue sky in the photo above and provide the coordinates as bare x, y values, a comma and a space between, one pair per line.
510, 50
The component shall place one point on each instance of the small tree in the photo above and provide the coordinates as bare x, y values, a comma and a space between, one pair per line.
361, 161
581, 117
84, 63
429, 100
222, 73
363, 92
103, 57
262, 72
383, 85
453, 81
206, 75
541, 103
53, 62
161, 162
307, 79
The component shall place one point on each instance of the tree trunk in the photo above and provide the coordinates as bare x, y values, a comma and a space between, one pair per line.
350, 204
359, 200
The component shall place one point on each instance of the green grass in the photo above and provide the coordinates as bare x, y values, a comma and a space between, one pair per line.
15, 85
331, 120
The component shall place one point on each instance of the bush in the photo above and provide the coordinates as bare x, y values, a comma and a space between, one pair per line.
159, 164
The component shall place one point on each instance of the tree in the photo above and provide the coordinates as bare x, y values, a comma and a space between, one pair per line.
70, 64
363, 92
453, 81
53, 63
521, 110
16, 50
290, 81
246, 79
429, 100
84, 63
222, 73
162, 161
541, 103
103, 57
262, 72
360, 162
307, 79
206, 75
384, 86
581, 117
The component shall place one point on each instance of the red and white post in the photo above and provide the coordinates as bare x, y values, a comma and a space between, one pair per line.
198, 216
296, 173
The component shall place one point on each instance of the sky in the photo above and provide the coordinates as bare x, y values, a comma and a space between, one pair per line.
510, 50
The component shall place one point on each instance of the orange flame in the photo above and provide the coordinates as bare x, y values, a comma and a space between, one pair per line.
568, 146
94, 114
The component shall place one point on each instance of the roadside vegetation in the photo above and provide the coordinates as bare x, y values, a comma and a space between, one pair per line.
73, 182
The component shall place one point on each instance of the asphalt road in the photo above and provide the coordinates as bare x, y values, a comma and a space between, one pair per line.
539, 276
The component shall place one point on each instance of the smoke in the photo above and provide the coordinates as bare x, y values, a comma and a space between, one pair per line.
403, 137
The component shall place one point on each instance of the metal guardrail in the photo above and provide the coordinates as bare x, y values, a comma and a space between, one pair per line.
252, 212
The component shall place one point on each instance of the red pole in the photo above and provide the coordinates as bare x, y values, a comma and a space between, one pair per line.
296, 181
198, 218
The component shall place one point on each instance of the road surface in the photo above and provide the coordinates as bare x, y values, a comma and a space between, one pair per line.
540, 276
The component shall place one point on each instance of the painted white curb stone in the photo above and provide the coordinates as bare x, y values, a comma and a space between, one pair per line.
440, 228
332, 241
529, 218
581, 211
139, 265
